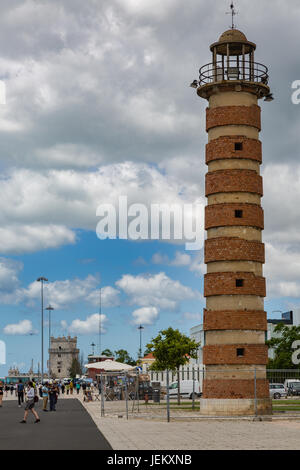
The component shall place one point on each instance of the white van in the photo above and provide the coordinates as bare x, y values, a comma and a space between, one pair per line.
186, 389
288, 383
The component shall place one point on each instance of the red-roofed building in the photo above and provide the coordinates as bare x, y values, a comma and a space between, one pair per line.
148, 359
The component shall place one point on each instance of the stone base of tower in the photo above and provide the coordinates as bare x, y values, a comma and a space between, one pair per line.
235, 407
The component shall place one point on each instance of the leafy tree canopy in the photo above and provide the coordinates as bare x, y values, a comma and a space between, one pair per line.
107, 352
147, 351
172, 349
282, 346
123, 356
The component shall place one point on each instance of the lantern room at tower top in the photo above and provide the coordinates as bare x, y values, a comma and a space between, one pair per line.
233, 61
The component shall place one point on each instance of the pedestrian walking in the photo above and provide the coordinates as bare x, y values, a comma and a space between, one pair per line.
63, 388
45, 394
11, 389
1, 393
31, 400
20, 392
71, 387
77, 387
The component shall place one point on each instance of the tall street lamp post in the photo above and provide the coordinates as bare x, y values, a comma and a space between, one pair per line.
42, 280
50, 309
140, 350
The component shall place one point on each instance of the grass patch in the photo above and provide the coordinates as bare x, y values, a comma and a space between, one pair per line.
286, 408
286, 402
164, 403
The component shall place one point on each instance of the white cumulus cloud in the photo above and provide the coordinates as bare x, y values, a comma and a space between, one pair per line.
24, 327
88, 326
156, 290
145, 315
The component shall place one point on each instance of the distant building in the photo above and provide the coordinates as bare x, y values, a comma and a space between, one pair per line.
14, 375
62, 352
98, 358
147, 361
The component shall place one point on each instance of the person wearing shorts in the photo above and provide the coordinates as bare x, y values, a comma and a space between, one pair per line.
30, 404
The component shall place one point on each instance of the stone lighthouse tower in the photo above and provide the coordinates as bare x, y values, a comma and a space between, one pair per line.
234, 354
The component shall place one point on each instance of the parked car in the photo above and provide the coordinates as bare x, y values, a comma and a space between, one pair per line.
186, 389
277, 391
294, 389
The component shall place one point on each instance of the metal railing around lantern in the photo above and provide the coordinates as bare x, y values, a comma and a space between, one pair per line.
233, 69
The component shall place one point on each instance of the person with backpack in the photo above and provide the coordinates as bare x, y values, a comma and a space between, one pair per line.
20, 393
32, 398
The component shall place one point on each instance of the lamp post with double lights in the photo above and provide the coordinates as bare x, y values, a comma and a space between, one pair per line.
42, 280
50, 309
93, 348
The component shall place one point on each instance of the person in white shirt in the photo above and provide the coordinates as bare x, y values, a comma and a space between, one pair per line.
30, 404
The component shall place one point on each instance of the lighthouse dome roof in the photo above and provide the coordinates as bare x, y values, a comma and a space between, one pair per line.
233, 35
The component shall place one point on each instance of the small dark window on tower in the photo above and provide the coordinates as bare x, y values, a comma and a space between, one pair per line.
240, 352
239, 282
238, 214
58, 370
238, 146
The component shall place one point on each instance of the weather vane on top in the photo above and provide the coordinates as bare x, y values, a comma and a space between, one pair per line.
233, 12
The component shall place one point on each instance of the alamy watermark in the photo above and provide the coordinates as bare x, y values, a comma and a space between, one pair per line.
2, 92
296, 94
296, 353
182, 222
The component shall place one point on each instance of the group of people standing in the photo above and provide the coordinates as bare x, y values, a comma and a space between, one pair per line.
49, 392
30, 393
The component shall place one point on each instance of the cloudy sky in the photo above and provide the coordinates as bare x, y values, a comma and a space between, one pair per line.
98, 106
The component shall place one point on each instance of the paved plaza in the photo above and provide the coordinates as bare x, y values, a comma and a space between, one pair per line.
237, 434
78, 425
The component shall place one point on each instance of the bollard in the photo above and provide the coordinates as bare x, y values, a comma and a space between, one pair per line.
168, 398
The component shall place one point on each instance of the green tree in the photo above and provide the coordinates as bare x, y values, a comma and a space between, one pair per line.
147, 351
107, 352
75, 368
171, 350
282, 346
82, 363
123, 356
